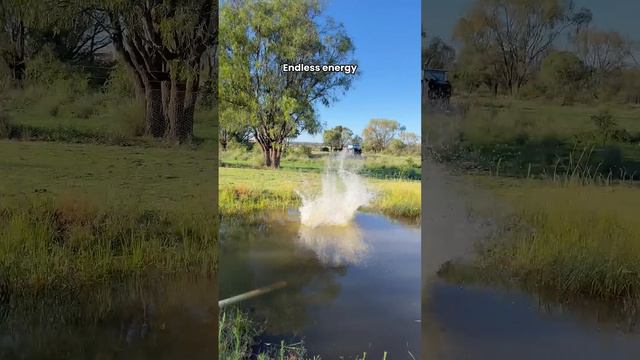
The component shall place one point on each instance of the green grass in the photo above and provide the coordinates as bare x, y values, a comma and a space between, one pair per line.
571, 239
237, 336
238, 333
533, 138
381, 166
73, 215
39, 114
245, 191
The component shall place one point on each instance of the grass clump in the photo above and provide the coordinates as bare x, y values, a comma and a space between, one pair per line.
237, 340
399, 199
574, 240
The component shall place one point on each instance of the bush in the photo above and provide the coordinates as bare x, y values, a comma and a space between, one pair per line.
119, 84
396, 147
606, 125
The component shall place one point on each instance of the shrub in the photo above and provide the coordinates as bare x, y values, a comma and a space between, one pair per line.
119, 83
396, 147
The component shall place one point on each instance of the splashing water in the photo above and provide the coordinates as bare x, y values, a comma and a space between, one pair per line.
343, 192
334, 245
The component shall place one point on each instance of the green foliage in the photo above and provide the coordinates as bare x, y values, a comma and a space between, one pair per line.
379, 133
605, 124
45, 69
562, 74
396, 146
338, 137
279, 105
577, 241
237, 335
119, 83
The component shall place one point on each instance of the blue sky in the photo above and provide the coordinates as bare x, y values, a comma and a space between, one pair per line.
387, 40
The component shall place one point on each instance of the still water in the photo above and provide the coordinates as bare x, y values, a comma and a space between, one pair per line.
160, 319
351, 289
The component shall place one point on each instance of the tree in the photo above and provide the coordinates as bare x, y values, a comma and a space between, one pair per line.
232, 127
516, 33
379, 133
438, 54
602, 51
562, 73
18, 18
258, 37
332, 139
409, 138
338, 137
162, 45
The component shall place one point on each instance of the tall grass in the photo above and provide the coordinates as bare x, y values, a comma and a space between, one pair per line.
71, 242
572, 239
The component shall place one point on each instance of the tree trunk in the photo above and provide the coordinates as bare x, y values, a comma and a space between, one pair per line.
176, 111
190, 100
275, 157
155, 124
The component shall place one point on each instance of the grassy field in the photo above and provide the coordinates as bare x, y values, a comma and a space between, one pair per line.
73, 215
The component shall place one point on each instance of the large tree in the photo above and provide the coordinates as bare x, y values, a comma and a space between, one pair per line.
163, 44
258, 37
379, 133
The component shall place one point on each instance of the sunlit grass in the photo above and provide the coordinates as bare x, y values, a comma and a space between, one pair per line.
244, 191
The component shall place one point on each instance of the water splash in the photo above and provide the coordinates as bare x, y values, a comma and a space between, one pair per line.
334, 245
343, 192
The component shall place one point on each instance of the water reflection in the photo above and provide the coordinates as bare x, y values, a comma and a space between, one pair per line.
160, 319
351, 288
334, 245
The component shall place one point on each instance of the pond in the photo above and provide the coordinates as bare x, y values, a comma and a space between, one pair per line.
486, 322
154, 319
350, 289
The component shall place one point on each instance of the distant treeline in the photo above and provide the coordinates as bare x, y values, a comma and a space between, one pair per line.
537, 49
